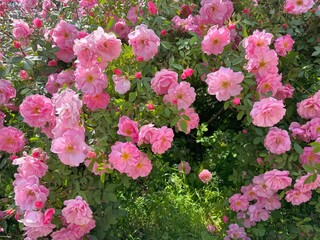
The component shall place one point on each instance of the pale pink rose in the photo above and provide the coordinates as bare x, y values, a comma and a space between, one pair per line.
205, 176
146, 133
7, 91
260, 187
277, 180
28, 192
65, 234
97, 101
257, 213
238, 203
248, 192
193, 121
77, 211
142, 168
121, 28
256, 40
144, 42
269, 83
90, 80
122, 85
215, 40
52, 85
68, 106
36, 110
70, 147
297, 7
277, 141
163, 80
66, 77
128, 128
81, 230
263, 62
224, 83
283, 45
36, 225
309, 108
296, 197
123, 156
285, 91
305, 187
302, 132
216, 11
21, 29
30, 166
11, 140
152, 8
65, 54
132, 14
182, 95
267, 112
88, 4
28, 4
236, 232
184, 167
86, 56
64, 35
313, 128
272, 203
161, 140
309, 157
106, 45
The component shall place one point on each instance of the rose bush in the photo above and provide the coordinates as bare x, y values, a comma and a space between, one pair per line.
213, 106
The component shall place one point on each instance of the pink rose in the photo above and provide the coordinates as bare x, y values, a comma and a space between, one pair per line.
36, 110
21, 29
277, 141
267, 112
224, 83
122, 85
215, 40
163, 81
7, 91
11, 140
144, 42
161, 140
128, 128
77, 211
205, 176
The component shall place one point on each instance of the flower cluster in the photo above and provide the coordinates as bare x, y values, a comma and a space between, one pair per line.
260, 197
30, 196
79, 220
212, 12
68, 137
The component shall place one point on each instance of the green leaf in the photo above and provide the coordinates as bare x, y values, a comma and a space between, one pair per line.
298, 148
132, 96
185, 117
240, 115
256, 140
226, 105
311, 178
174, 121
183, 126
